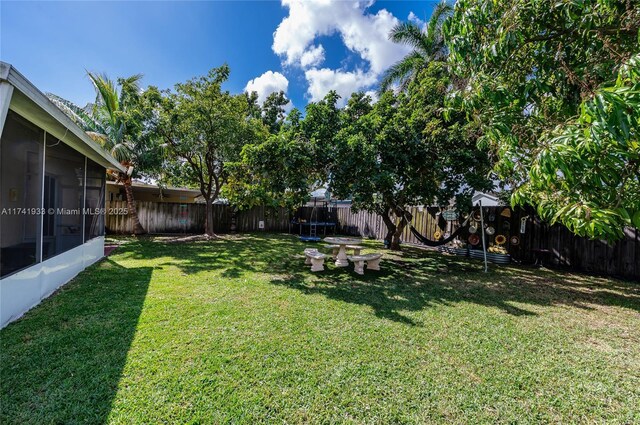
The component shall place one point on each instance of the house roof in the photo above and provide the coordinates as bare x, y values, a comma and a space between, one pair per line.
21, 96
488, 199
169, 191
321, 193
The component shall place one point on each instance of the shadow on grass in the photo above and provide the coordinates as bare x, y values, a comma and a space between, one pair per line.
409, 281
62, 362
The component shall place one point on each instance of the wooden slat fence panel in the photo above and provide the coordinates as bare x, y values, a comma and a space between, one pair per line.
168, 217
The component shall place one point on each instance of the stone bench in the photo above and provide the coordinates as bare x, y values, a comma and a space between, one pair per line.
356, 249
315, 258
372, 260
307, 260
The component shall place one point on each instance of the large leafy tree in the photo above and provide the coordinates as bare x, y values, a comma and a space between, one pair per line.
117, 120
203, 129
270, 172
402, 151
428, 45
273, 111
285, 168
398, 152
554, 88
276, 172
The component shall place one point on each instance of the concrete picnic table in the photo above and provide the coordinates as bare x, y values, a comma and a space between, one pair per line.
341, 258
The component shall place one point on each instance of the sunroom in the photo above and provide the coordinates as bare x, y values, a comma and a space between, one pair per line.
52, 196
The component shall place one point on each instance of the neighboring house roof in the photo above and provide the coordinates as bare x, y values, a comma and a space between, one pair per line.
488, 199
166, 191
321, 193
21, 96
220, 201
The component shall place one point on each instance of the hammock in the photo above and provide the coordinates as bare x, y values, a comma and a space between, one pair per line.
423, 239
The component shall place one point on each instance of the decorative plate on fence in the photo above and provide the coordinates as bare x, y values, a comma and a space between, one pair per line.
476, 216
474, 239
492, 217
450, 215
490, 230
506, 212
473, 229
514, 240
506, 225
437, 235
500, 240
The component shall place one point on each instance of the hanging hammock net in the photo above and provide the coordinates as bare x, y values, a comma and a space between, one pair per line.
426, 241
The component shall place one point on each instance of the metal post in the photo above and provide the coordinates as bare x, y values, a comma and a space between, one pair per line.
39, 247
84, 200
484, 248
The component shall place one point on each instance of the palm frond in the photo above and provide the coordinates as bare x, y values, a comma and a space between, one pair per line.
131, 82
434, 27
76, 114
408, 33
428, 45
106, 93
121, 152
402, 72
129, 88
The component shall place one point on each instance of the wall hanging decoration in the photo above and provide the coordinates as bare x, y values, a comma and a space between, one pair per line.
523, 224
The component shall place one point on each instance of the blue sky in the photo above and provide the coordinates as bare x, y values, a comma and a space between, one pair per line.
304, 48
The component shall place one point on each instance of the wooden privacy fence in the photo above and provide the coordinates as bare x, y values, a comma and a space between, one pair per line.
553, 245
168, 217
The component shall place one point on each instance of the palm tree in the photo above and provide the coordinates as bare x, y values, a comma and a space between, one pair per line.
428, 46
110, 123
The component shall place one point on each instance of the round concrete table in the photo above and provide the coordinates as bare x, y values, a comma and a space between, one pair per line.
341, 258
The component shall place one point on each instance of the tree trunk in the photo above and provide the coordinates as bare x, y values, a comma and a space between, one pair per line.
391, 228
394, 231
395, 242
208, 222
131, 206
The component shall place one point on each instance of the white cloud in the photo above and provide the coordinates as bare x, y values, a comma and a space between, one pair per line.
373, 95
321, 81
267, 83
413, 18
363, 33
312, 57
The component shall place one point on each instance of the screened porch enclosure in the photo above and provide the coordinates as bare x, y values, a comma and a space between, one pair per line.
51, 196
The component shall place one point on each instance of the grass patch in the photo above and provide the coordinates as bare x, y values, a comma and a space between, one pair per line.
238, 330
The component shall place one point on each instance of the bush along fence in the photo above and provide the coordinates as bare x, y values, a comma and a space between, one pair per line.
526, 238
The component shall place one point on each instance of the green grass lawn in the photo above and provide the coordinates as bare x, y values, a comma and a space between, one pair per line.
238, 330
